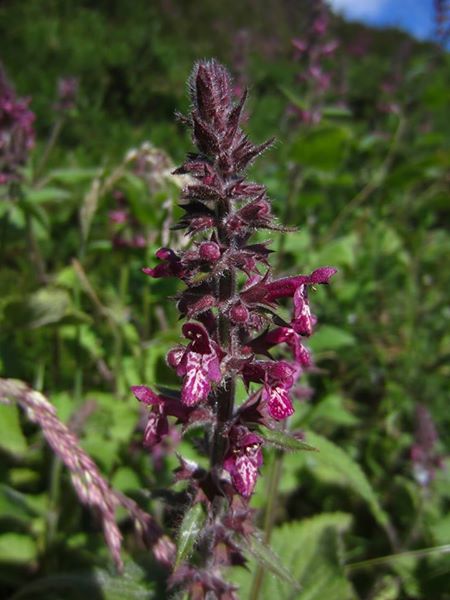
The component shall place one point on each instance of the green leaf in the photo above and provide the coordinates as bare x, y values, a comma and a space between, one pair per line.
268, 559
331, 409
328, 337
310, 550
189, 531
23, 477
336, 112
11, 437
341, 252
17, 548
126, 480
293, 98
348, 472
47, 194
285, 441
131, 585
48, 305
321, 148
70, 176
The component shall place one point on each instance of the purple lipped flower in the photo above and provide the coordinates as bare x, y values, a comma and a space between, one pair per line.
162, 407
198, 364
16, 131
243, 460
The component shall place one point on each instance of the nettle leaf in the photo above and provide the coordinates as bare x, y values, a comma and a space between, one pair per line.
285, 441
311, 551
11, 437
267, 558
332, 409
189, 531
348, 472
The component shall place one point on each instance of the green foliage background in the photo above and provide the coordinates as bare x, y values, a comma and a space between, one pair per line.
369, 193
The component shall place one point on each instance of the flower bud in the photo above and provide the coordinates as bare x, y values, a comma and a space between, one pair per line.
239, 313
209, 251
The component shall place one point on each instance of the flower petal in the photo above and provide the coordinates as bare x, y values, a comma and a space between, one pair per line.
303, 319
278, 402
145, 395
196, 383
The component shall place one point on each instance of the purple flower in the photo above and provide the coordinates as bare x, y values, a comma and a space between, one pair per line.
16, 131
278, 378
67, 91
162, 407
198, 363
244, 459
170, 265
283, 335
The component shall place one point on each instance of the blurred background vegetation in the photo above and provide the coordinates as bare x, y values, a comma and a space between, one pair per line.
366, 183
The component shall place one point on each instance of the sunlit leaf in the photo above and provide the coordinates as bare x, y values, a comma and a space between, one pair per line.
11, 437
348, 471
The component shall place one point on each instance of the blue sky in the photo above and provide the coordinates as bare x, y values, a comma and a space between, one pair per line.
415, 16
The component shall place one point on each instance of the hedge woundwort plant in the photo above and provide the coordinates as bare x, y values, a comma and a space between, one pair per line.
228, 304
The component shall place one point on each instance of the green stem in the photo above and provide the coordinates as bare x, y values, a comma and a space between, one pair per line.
4, 233
372, 562
118, 335
269, 517
33, 247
